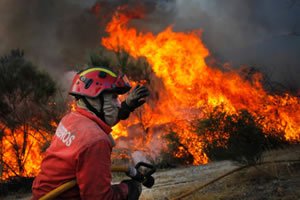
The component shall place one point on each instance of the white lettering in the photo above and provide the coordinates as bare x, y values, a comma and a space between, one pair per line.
64, 135
70, 140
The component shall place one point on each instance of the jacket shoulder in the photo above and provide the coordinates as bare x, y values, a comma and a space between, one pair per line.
85, 130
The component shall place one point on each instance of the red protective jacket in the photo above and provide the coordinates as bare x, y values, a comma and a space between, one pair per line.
79, 150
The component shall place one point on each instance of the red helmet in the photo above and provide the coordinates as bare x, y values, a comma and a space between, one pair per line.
91, 82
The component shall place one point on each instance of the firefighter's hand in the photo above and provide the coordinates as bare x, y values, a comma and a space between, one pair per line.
134, 189
137, 96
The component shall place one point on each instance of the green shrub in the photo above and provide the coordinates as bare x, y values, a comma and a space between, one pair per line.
237, 137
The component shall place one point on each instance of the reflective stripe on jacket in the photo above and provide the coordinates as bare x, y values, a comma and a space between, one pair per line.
79, 150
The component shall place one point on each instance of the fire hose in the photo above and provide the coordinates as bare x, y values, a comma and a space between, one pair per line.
144, 177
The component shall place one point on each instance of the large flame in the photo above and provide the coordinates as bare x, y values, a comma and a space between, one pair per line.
192, 88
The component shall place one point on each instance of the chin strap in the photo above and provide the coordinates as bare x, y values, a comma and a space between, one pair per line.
93, 109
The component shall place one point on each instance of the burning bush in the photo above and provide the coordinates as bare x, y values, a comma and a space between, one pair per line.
237, 136
177, 153
187, 89
28, 113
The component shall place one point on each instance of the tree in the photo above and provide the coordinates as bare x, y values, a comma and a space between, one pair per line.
27, 111
120, 61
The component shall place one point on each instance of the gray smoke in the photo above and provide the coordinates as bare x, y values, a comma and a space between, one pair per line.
260, 33
58, 34
52, 33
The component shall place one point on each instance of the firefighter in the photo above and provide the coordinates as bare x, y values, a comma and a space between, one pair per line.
82, 144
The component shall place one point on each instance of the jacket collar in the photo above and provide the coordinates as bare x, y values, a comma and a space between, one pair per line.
107, 129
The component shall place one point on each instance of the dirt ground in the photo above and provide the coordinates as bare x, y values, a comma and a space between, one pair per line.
273, 181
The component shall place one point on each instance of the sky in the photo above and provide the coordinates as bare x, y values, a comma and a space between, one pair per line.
55, 35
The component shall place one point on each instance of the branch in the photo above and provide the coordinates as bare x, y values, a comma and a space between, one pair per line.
10, 168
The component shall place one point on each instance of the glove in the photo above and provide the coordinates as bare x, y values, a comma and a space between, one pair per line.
134, 189
136, 97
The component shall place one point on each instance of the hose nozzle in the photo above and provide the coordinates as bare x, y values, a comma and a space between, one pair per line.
143, 177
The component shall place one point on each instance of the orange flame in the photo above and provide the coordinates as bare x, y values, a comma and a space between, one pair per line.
22, 155
192, 89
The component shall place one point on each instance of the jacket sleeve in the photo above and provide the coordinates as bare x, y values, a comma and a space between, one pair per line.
93, 173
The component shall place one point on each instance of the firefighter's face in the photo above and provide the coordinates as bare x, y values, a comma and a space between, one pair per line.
111, 106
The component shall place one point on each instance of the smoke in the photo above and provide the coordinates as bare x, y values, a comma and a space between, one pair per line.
58, 34
53, 34
261, 33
